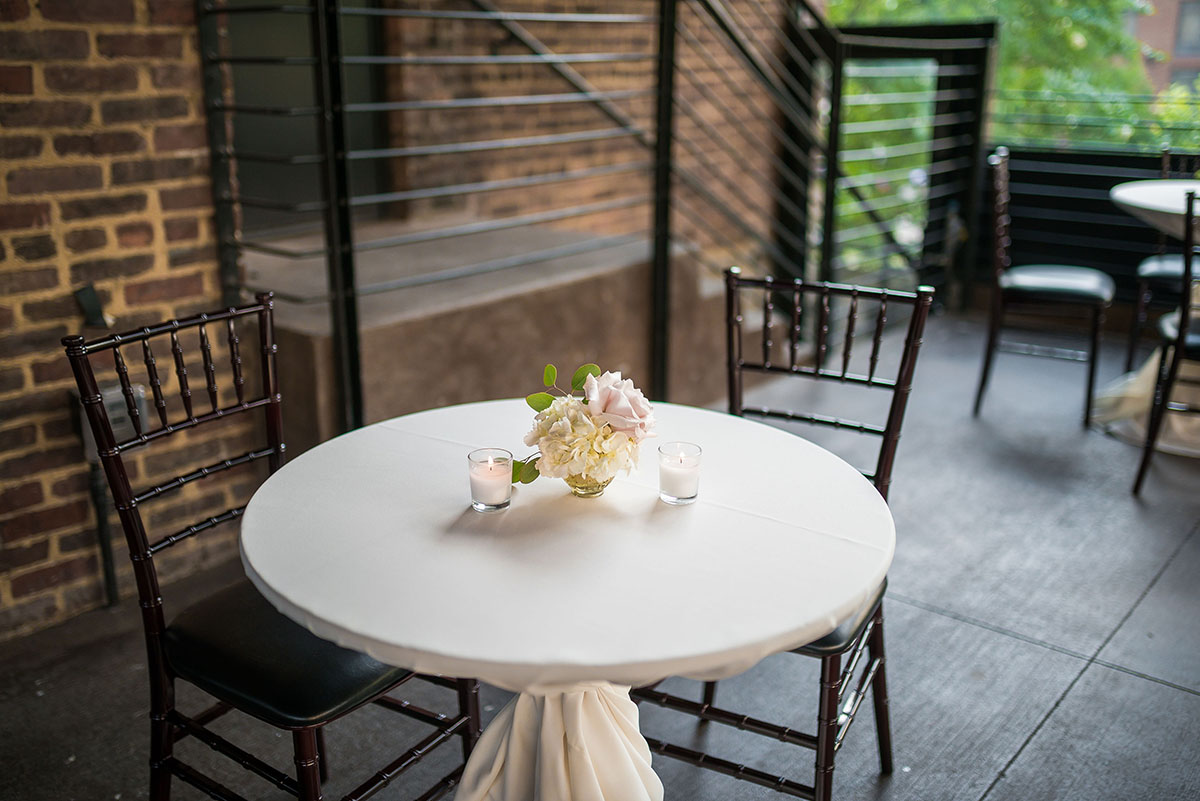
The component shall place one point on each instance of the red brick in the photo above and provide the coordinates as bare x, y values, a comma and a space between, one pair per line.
145, 170
21, 496
189, 197
11, 378
181, 228
6, 318
140, 45
99, 206
34, 403
53, 45
175, 76
33, 613
50, 371
13, 10
31, 341
180, 137
172, 12
28, 280
132, 235
43, 521
84, 272
71, 485
34, 248
44, 114
60, 428
20, 147
16, 80
23, 215
98, 144
90, 80
183, 513
43, 180
182, 286
87, 10
82, 240
144, 108
52, 308
53, 576
14, 556
12, 439
186, 256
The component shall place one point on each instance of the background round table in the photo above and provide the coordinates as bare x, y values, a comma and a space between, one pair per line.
369, 541
1159, 202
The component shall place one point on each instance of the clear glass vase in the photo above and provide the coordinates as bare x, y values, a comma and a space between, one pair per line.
584, 487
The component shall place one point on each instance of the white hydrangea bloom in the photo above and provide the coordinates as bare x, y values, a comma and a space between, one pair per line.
573, 443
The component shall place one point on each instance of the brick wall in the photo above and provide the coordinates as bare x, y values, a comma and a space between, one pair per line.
104, 181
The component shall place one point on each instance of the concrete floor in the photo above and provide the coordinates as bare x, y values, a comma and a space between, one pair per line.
1043, 631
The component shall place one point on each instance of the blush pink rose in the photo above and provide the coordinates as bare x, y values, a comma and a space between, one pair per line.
616, 401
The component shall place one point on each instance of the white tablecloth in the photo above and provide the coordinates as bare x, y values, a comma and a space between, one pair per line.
369, 541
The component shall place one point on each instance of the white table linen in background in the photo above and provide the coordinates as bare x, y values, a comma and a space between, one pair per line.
369, 541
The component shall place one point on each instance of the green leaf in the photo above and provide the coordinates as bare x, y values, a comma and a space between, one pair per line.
517, 467
539, 401
581, 375
549, 375
529, 471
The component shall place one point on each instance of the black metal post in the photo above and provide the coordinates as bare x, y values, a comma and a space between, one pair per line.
664, 133
216, 92
98, 486
339, 237
837, 63
974, 190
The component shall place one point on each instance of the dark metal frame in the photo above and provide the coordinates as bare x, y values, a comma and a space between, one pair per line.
1168, 376
843, 686
168, 724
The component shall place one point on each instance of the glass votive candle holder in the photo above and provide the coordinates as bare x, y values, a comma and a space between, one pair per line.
491, 479
678, 472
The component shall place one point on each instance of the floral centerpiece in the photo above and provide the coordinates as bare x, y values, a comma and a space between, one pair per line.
585, 439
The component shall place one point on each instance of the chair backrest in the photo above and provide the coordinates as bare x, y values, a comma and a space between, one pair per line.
1001, 221
176, 410
1175, 164
808, 306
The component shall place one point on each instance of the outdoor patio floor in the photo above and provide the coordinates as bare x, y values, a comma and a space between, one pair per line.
1043, 632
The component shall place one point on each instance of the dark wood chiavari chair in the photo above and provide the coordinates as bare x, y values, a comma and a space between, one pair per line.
234, 645
843, 686
1046, 289
1159, 275
1180, 343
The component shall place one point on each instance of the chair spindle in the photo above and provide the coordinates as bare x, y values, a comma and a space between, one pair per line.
160, 403
210, 369
127, 390
797, 325
185, 393
235, 361
823, 329
877, 339
848, 341
768, 312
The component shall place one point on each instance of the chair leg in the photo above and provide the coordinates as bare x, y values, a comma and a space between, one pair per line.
322, 755
879, 694
710, 694
468, 704
1154, 422
1093, 360
827, 726
162, 743
308, 773
1139, 322
989, 352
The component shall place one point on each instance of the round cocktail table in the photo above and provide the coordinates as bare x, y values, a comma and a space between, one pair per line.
369, 540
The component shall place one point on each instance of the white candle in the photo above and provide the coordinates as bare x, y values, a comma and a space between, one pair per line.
678, 472
491, 478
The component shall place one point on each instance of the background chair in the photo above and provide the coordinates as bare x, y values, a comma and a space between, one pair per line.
233, 645
1046, 289
1180, 336
880, 370
1159, 276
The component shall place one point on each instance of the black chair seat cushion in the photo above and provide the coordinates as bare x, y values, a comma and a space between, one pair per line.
1057, 282
841, 638
1164, 269
1168, 328
236, 647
